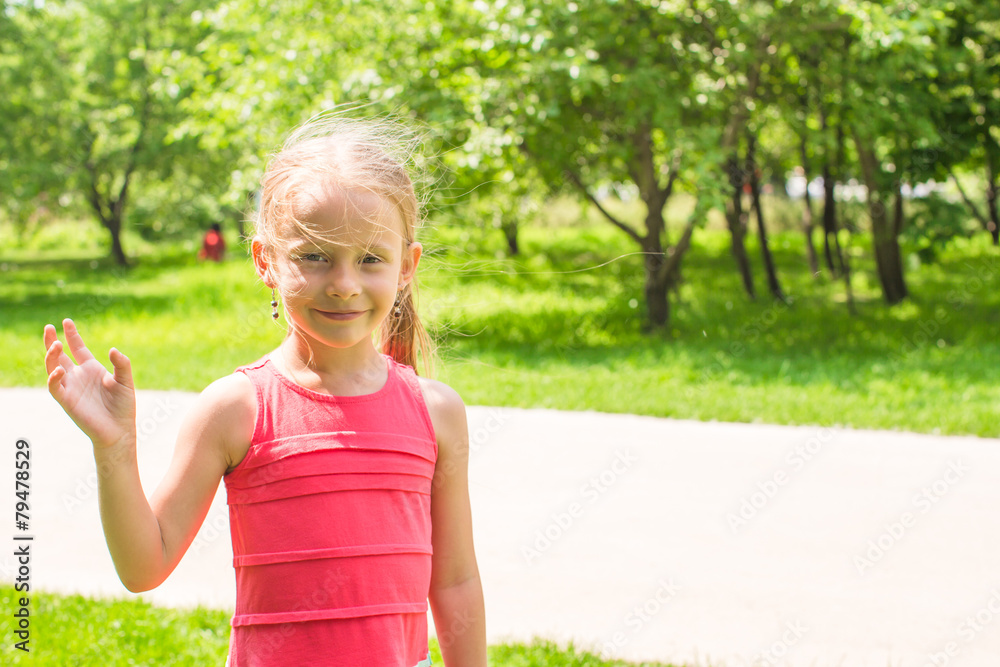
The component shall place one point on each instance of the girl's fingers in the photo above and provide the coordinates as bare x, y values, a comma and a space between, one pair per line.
51, 353
51, 358
123, 368
49, 335
75, 342
54, 382
56, 358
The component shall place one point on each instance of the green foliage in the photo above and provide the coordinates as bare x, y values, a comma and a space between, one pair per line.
558, 327
76, 631
71, 631
542, 653
101, 118
933, 223
181, 101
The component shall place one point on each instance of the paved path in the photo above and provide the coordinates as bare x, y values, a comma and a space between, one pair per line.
713, 544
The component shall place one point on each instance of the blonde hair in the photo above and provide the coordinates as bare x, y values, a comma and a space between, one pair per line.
351, 154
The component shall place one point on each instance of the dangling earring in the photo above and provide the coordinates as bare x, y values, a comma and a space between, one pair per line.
398, 310
274, 305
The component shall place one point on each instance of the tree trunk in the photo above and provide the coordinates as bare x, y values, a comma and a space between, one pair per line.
888, 258
829, 216
510, 233
897, 208
114, 227
664, 273
807, 214
830, 202
842, 258
737, 226
655, 197
109, 214
889, 262
765, 248
992, 187
657, 303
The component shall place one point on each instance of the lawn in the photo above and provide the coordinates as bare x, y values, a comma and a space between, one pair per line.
72, 631
562, 326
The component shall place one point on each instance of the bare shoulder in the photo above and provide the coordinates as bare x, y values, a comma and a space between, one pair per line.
226, 412
447, 411
232, 395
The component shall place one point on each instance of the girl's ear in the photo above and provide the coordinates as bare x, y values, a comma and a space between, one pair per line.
262, 261
411, 257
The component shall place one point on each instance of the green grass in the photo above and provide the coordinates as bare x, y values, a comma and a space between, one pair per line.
72, 630
562, 326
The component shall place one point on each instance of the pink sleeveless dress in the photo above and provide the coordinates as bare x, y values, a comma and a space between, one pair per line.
331, 527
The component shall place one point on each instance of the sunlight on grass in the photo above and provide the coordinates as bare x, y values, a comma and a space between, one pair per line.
563, 325
72, 630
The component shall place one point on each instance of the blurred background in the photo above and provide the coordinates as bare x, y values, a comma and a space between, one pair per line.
784, 211
747, 211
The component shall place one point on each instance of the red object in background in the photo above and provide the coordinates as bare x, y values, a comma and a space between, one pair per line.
214, 246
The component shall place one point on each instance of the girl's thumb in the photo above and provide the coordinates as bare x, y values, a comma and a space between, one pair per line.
123, 368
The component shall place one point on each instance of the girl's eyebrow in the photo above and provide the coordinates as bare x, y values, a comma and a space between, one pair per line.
301, 244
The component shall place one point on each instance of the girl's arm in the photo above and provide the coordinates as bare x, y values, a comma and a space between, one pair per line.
456, 593
146, 541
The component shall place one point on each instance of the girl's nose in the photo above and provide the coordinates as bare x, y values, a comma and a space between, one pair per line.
343, 281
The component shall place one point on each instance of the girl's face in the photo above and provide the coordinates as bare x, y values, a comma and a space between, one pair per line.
337, 291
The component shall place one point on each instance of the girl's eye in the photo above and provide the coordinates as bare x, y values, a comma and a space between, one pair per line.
311, 257
373, 259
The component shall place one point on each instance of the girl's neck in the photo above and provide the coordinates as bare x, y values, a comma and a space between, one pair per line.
352, 371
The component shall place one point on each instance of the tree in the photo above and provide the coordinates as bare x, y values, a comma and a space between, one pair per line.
109, 80
964, 79
592, 93
884, 49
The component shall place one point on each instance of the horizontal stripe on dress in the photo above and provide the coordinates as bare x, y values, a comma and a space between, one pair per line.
330, 484
332, 552
268, 451
329, 614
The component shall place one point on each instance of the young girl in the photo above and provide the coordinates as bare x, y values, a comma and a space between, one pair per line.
346, 473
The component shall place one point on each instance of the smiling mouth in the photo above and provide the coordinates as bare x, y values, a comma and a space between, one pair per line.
341, 315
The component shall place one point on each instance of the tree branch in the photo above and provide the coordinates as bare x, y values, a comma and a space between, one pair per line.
968, 202
118, 205
741, 113
675, 168
593, 200
94, 194
676, 252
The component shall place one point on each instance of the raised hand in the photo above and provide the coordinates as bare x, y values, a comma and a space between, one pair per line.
101, 404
